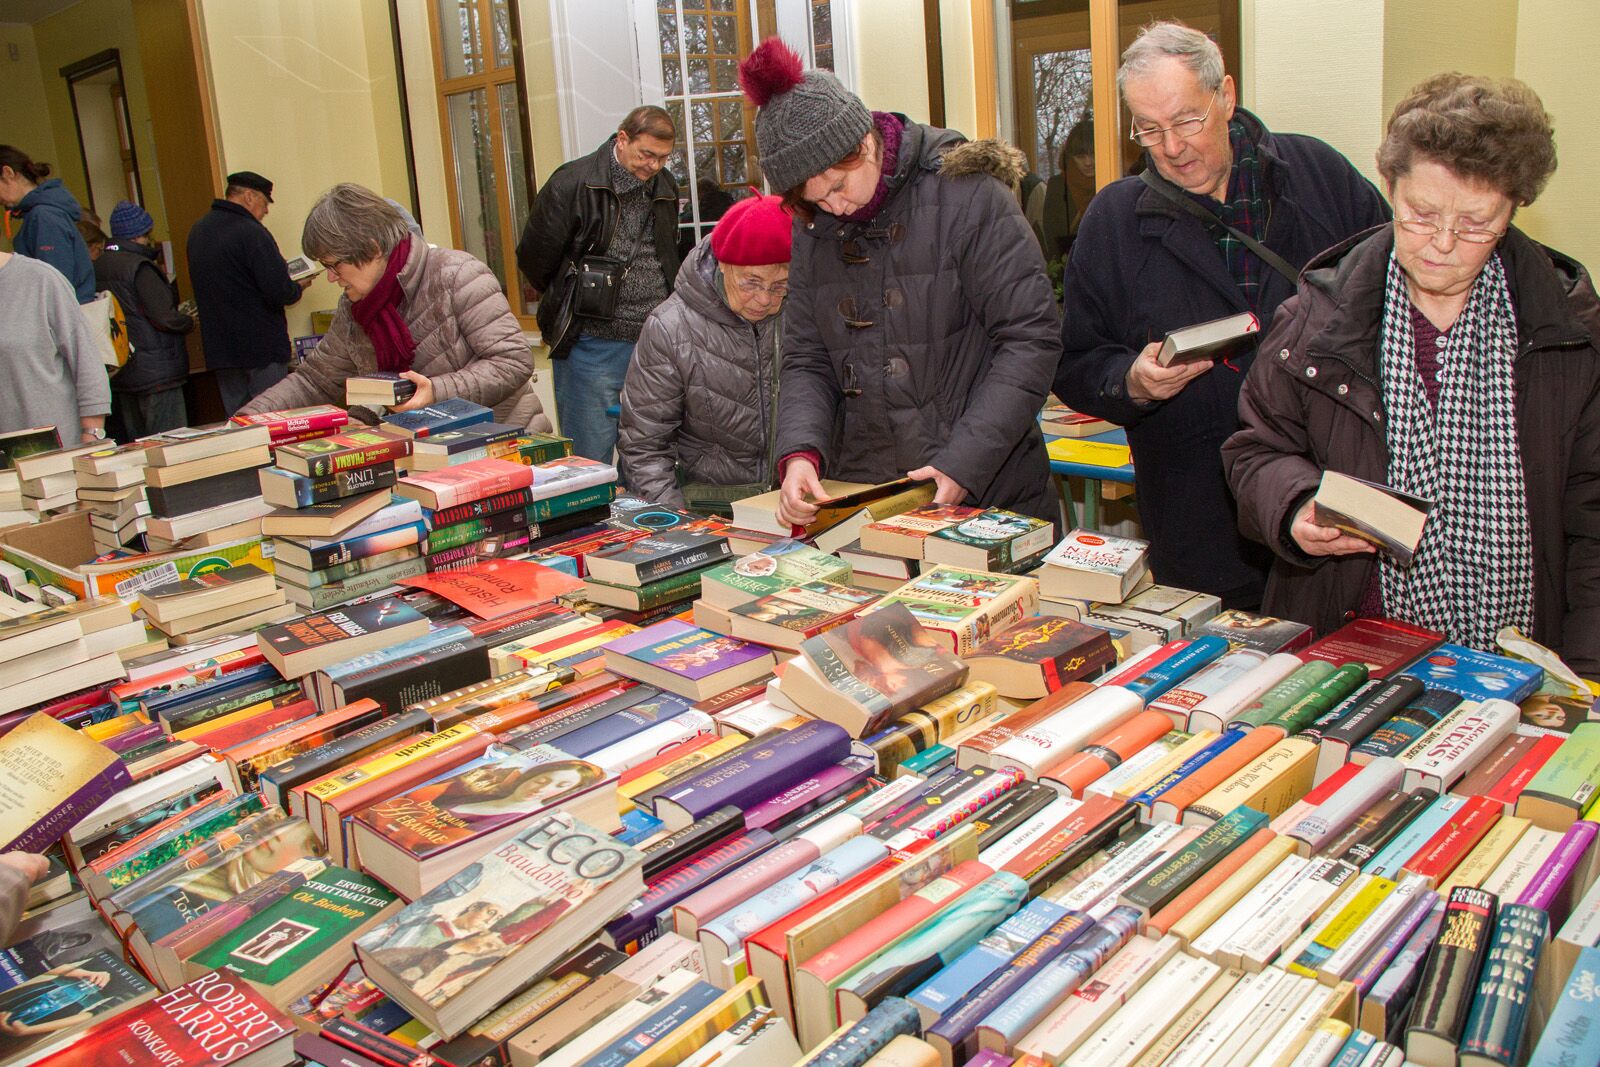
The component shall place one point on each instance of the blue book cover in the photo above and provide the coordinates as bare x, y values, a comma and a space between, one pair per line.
1477, 675
1570, 1036
975, 965
656, 1026
638, 825
1169, 672
621, 725
1389, 859
442, 415
416, 646
1503, 1001
1216, 748
891, 1017
162, 702
1056, 980
1356, 1047
790, 892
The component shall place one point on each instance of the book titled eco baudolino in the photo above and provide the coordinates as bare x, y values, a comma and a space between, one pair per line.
536, 897
53, 777
302, 942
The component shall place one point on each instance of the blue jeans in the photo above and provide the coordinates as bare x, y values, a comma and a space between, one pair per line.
587, 382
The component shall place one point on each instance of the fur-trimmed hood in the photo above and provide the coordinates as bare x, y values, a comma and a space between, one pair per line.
988, 156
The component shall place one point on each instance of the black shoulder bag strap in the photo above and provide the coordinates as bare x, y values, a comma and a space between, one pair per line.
1262, 252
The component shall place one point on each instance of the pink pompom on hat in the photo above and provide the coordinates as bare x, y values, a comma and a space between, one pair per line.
806, 120
755, 232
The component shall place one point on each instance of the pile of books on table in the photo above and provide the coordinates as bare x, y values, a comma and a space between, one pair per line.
203, 485
611, 789
47, 480
14, 445
111, 489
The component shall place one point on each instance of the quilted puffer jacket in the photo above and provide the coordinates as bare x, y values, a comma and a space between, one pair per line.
700, 391
468, 343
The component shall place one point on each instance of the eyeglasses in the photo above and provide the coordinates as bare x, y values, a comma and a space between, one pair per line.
1431, 230
1184, 128
752, 287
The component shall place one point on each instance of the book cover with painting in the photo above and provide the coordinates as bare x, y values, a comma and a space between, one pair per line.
686, 659
498, 922
54, 998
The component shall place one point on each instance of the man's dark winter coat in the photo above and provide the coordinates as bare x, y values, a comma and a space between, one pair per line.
241, 286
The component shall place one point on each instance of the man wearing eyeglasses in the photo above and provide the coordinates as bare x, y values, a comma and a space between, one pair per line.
1225, 216
600, 250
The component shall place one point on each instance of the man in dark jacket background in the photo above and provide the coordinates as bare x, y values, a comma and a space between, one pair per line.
147, 393
1144, 264
619, 204
241, 286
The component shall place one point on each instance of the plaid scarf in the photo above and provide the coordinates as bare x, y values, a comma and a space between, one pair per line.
1245, 210
1473, 571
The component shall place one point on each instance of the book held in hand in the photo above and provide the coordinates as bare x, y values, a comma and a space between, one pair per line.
1217, 339
1383, 515
378, 388
54, 776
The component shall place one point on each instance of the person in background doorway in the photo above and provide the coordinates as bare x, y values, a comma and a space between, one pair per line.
435, 316
146, 394
241, 286
49, 215
1156, 253
51, 373
920, 331
1451, 357
1071, 188
701, 396
601, 249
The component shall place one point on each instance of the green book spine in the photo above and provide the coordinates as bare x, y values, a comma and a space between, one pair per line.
1320, 698
580, 500
1284, 695
136, 867
1570, 775
1157, 889
543, 448
331, 907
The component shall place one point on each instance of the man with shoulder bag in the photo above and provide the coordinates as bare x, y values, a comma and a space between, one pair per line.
600, 247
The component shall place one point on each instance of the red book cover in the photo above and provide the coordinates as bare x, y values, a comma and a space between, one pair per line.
579, 547
1332, 784
1383, 645
1449, 846
497, 587
264, 722
671, 755
1509, 788
297, 423
1082, 820
216, 1019
480, 478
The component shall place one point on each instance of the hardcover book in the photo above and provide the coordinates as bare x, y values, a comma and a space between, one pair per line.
773, 569
511, 915
300, 646
1088, 565
292, 424
1477, 675
568, 475
441, 415
1062, 421
1502, 1005
1384, 646
326, 455
787, 617
380, 388
1263, 633
1039, 655
1449, 978
996, 540
906, 535
1376, 513
1218, 339
965, 607
753, 772
452, 486
870, 670
687, 660
659, 556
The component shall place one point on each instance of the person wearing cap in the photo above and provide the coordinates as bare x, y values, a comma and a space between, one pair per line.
921, 331
241, 286
147, 393
701, 395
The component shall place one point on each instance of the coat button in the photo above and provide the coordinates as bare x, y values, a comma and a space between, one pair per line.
1311, 372
1377, 416
1343, 389
1283, 353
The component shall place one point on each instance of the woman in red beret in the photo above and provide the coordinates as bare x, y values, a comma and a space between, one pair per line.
700, 399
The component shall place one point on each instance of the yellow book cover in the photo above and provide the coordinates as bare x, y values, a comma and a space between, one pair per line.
1089, 453
102, 731
1485, 855
1173, 760
328, 788
500, 656
51, 776
667, 771
1333, 933
1282, 775
1232, 890
198, 733
704, 1024
587, 644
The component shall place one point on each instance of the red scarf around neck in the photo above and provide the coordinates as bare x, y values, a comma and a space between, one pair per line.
378, 315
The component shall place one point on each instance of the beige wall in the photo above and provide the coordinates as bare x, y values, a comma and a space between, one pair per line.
27, 116
892, 58
1555, 55
1485, 43
304, 92
78, 33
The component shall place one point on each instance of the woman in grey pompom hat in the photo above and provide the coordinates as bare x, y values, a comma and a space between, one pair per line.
920, 333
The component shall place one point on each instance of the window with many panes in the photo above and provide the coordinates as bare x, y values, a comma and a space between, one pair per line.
478, 66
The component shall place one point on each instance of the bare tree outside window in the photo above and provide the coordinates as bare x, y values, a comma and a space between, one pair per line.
1062, 87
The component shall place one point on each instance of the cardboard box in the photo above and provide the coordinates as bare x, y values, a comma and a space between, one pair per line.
57, 552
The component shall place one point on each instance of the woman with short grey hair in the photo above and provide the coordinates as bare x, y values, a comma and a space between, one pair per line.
435, 316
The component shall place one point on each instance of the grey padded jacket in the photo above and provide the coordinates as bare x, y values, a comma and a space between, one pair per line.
469, 344
700, 391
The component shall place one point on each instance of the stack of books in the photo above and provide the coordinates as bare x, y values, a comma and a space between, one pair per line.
14, 445
50, 652
47, 480
233, 600
111, 489
847, 509
290, 425
654, 571
203, 485
359, 556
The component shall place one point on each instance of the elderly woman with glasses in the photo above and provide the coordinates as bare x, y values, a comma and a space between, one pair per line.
1451, 357
921, 331
435, 316
701, 395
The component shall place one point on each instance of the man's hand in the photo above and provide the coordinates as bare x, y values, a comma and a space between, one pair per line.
801, 487
947, 491
421, 398
305, 283
30, 864
1149, 380
1316, 540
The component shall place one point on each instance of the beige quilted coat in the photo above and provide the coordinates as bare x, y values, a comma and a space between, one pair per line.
468, 343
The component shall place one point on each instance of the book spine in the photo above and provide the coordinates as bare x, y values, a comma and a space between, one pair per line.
1556, 872
322, 466
1448, 978
1156, 889
1210, 754
461, 533
808, 794
770, 765
1395, 941
276, 781
61, 818
1375, 706
647, 918
476, 509
1439, 855
1320, 698
1160, 677
1283, 695
1503, 1001
556, 507
358, 548
1405, 726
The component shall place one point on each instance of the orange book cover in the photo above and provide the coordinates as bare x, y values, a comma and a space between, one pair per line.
671, 755
1080, 822
1107, 751
248, 724
1450, 844
1170, 805
1162, 921
318, 730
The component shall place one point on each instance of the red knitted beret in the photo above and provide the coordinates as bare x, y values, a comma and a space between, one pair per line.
754, 233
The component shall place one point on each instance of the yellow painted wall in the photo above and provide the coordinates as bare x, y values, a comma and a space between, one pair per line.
891, 57
27, 116
1555, 55
1414, 32
539, 66
77, 33
305, 93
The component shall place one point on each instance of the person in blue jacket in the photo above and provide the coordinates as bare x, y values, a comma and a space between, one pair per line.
49, 214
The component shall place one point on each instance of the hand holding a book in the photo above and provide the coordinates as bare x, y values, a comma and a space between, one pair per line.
1148, 380
31, 865
422, 397
1317, 540
800, 491
948, 492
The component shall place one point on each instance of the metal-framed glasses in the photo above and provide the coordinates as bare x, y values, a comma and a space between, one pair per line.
1431, 230
752, 287
1184, 128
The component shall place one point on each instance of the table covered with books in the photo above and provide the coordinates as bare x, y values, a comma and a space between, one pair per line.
415, 743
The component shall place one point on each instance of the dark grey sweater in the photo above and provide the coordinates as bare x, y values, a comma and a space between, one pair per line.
642, 287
